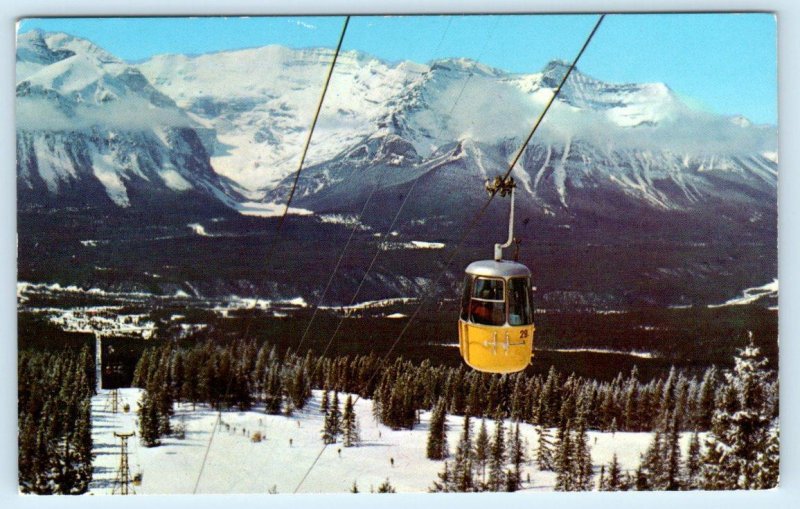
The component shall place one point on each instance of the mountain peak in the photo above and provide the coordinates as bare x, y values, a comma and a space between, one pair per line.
554, 72
556, 64
464, 65
32, 48
32, 45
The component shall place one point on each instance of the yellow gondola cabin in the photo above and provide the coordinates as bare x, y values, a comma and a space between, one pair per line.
495, 329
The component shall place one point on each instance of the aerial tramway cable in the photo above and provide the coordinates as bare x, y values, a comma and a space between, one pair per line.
355, 227
482, 210
339, 262
396, 217
480, 53
314, 123
471, 224
281, 221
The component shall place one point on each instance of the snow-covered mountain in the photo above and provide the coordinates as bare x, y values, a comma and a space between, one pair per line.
599, 142
231, 125
261, 103
91, 130
602, 145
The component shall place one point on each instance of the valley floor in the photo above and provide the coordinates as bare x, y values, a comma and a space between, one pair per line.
237, 464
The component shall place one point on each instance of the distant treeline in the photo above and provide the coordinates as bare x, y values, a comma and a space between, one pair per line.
738, 410
242, 374
54, 412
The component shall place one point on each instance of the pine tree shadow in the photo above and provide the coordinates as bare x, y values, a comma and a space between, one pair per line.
368, 444
102, 453
107, 482
102, 484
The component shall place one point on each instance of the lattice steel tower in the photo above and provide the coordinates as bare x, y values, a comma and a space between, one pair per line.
123, 480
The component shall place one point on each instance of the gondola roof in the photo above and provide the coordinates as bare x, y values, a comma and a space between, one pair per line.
497, 268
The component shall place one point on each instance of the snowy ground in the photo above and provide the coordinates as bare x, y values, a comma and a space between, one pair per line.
235, 464
750, 295
260, 209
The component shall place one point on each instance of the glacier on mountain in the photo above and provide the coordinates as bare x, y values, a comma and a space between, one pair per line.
231, 126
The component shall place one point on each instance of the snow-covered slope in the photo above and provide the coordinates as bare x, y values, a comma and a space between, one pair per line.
602, 145
236, 464
638, 140
261, 103
767, 293
91, 129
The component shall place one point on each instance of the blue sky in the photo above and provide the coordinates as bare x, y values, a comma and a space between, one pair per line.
725, 63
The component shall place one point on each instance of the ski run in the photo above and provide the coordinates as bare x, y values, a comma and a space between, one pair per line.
238, 464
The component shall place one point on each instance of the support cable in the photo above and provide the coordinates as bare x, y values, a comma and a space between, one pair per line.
470, 227
276, 236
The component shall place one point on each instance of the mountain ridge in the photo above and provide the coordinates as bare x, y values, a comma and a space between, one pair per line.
430, 105
252, 129
86, 118
626, 194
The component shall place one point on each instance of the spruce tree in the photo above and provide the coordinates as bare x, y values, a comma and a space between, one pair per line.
602, 483
712, 474
583, 459
462, 463
335, 416
517, 457
27, 451
178, 368
705, 399
544, 450
475, 403
149, 421
45, 462
437, 434
652, 467
768, 461
141, 369
613, 481
260, 368
666, 404
445, 484
189, 389
298, 390
328, 434
273, 391
565, 459
672, 455
607, 409
325, 404
160, 392
631, 415
482, 448
497, 457
349, 424
692, 465
640, 478
519, 398
386, 487
65, 471
82, 441
548, 402
742, 428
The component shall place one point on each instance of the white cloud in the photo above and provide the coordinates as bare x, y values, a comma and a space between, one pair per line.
302, 24
129, 114
690, 132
